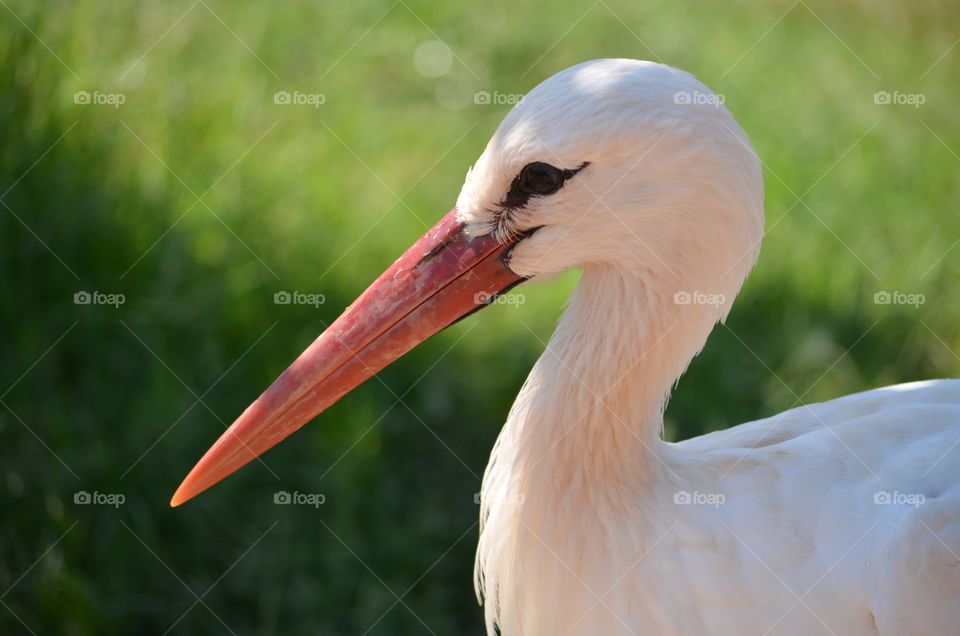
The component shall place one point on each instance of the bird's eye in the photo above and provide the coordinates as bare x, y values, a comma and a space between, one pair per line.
537, 179
541, 178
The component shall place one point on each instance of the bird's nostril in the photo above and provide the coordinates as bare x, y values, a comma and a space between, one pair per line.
430, 255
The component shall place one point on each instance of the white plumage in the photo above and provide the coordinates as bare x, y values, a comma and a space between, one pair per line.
593, 525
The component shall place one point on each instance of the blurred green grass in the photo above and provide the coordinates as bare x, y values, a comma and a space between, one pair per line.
320, 200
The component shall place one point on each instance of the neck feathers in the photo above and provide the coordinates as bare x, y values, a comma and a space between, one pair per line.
581, 442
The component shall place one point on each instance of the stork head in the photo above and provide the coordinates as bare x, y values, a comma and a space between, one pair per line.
631, 165
621, 162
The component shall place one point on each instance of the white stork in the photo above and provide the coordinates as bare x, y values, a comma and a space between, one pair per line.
840, 518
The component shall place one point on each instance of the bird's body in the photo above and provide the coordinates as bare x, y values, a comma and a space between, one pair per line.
855, 511
637, 174
834, 518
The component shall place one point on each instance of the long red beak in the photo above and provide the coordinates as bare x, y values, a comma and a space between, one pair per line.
442, 278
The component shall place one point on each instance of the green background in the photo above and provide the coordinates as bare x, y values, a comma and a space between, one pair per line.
199, 198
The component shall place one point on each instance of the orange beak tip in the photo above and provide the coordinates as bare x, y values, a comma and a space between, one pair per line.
189, 488
179, 497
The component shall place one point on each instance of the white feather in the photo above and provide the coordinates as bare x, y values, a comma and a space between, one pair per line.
584, 525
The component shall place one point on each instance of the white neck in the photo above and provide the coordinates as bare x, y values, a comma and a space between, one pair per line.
582, 441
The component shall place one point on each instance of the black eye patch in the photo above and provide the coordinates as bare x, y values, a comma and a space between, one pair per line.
537, 179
